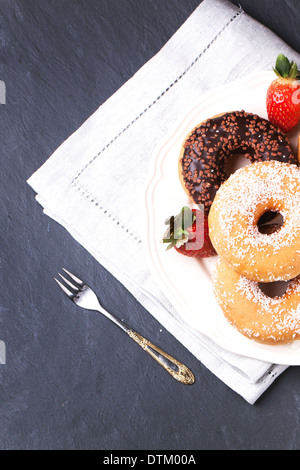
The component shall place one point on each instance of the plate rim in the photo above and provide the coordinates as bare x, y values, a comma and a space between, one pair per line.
264, 352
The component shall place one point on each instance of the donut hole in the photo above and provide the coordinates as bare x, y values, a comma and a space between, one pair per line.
270, 222
234, 162
274, 289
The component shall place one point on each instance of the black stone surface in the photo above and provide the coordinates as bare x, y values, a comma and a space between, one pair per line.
72, 379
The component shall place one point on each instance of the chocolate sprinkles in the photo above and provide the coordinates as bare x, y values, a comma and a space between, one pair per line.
209, 146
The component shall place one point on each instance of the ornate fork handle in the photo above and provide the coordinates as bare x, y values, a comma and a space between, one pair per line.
178, 370
83, 296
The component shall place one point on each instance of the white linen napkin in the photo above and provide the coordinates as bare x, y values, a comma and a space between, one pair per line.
93, 184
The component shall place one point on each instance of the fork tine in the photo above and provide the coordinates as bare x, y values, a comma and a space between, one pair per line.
76, 279
66, 291
75, 288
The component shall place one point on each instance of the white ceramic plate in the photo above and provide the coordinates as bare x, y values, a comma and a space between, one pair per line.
187, 281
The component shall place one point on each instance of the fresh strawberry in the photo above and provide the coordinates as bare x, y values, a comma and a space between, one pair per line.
283, 95
188, 234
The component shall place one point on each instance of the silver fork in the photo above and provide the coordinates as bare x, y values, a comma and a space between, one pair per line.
85, 297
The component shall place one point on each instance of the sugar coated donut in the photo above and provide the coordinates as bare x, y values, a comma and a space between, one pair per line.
207, 148
249, 193
271, 320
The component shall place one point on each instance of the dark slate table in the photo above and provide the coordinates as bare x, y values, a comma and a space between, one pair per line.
72, 381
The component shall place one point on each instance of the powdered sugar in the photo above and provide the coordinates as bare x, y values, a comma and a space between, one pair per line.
274, 318
243, 198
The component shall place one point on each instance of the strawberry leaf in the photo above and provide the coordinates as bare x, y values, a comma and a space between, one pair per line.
293, 70
177, 233
282, 66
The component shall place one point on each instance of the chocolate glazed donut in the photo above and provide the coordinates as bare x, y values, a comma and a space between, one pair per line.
208, 147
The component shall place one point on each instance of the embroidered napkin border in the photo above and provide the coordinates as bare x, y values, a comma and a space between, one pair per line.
75, 181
